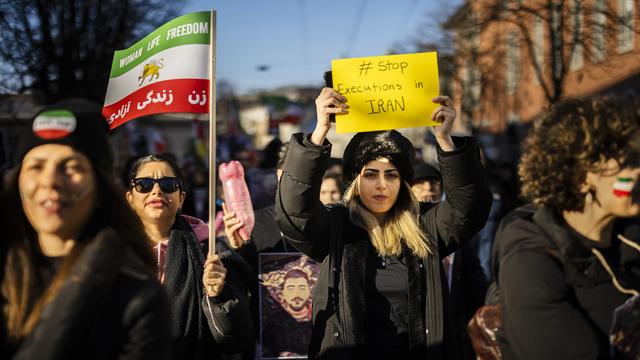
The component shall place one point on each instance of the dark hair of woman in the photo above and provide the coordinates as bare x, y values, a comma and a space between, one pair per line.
336, 177
23, 286
270, 154
156, 158
574, 137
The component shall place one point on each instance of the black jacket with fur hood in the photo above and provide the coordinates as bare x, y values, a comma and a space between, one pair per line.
326, 234
205, 328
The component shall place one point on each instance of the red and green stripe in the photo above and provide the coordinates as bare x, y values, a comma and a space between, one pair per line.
623, 186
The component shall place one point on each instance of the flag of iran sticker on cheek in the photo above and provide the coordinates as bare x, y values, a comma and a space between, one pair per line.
54, 124
622, 187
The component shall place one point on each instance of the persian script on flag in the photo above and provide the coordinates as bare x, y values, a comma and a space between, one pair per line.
167, 71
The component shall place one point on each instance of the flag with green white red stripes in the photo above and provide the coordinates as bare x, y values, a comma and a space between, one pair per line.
167, 71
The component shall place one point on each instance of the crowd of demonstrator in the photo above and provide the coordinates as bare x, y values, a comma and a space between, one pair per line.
99, 268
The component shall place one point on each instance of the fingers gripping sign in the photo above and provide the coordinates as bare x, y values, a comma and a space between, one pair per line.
444, 115
214, 275
328, 102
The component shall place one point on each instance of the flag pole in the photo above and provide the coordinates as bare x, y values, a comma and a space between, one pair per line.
212, 135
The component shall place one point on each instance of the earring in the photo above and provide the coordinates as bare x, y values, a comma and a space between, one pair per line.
588, 198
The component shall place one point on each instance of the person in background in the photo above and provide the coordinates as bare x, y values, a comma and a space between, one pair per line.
335, 167
427, 184
380, 292
563, 268
466, 281
196, 202
79, 280
262, 180
208, 298
331, 188
499, 177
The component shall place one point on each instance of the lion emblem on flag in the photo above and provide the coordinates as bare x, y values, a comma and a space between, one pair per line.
151, 70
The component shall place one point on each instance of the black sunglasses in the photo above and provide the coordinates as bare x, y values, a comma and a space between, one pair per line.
167, 184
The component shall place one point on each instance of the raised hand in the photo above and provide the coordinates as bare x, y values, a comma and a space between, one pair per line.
231, 227
444, 114
328, 102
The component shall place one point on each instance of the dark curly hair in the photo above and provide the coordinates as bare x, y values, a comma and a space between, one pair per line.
573, 137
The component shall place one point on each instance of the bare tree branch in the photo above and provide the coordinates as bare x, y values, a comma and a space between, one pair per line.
64, 48
570, 31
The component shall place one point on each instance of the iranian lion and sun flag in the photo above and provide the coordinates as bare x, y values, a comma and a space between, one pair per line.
167, 71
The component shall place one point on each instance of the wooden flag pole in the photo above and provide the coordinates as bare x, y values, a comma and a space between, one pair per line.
212, 136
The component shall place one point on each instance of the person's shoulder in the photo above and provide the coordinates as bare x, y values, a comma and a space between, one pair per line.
338, 211
519, 235
518, 224
137, 283
136, 291
134, 271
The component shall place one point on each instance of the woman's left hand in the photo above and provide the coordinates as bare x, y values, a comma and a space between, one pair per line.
444, 114
213, 276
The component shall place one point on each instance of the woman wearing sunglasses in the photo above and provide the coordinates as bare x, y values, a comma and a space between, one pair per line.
210, 312
78, 279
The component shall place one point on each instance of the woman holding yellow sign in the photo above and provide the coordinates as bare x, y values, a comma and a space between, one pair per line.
381, 291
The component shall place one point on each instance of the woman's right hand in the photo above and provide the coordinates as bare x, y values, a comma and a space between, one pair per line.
213, 275
231, 227
328, 102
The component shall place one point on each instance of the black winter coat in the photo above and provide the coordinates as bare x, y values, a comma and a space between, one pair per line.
326, 234
557, 298
200, 331
108, 308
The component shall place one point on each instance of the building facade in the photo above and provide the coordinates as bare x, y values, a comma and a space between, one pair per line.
516, 57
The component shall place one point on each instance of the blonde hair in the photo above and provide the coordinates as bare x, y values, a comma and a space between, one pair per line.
400, 223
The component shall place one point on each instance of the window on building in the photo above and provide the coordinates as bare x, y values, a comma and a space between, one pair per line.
598, 48
513, 62
577, 56
538, 46
625, 26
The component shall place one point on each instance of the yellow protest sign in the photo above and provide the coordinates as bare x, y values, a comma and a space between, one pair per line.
386, 92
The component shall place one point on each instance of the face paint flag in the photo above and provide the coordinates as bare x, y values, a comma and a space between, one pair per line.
622, 187
167, 71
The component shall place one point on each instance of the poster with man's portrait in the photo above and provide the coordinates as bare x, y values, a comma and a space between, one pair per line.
287, 282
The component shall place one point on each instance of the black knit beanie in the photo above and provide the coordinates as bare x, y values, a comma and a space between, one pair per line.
368, 146
74, 122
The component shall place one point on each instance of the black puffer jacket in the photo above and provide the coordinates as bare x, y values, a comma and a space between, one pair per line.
107, 309
327, 235
557, 298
